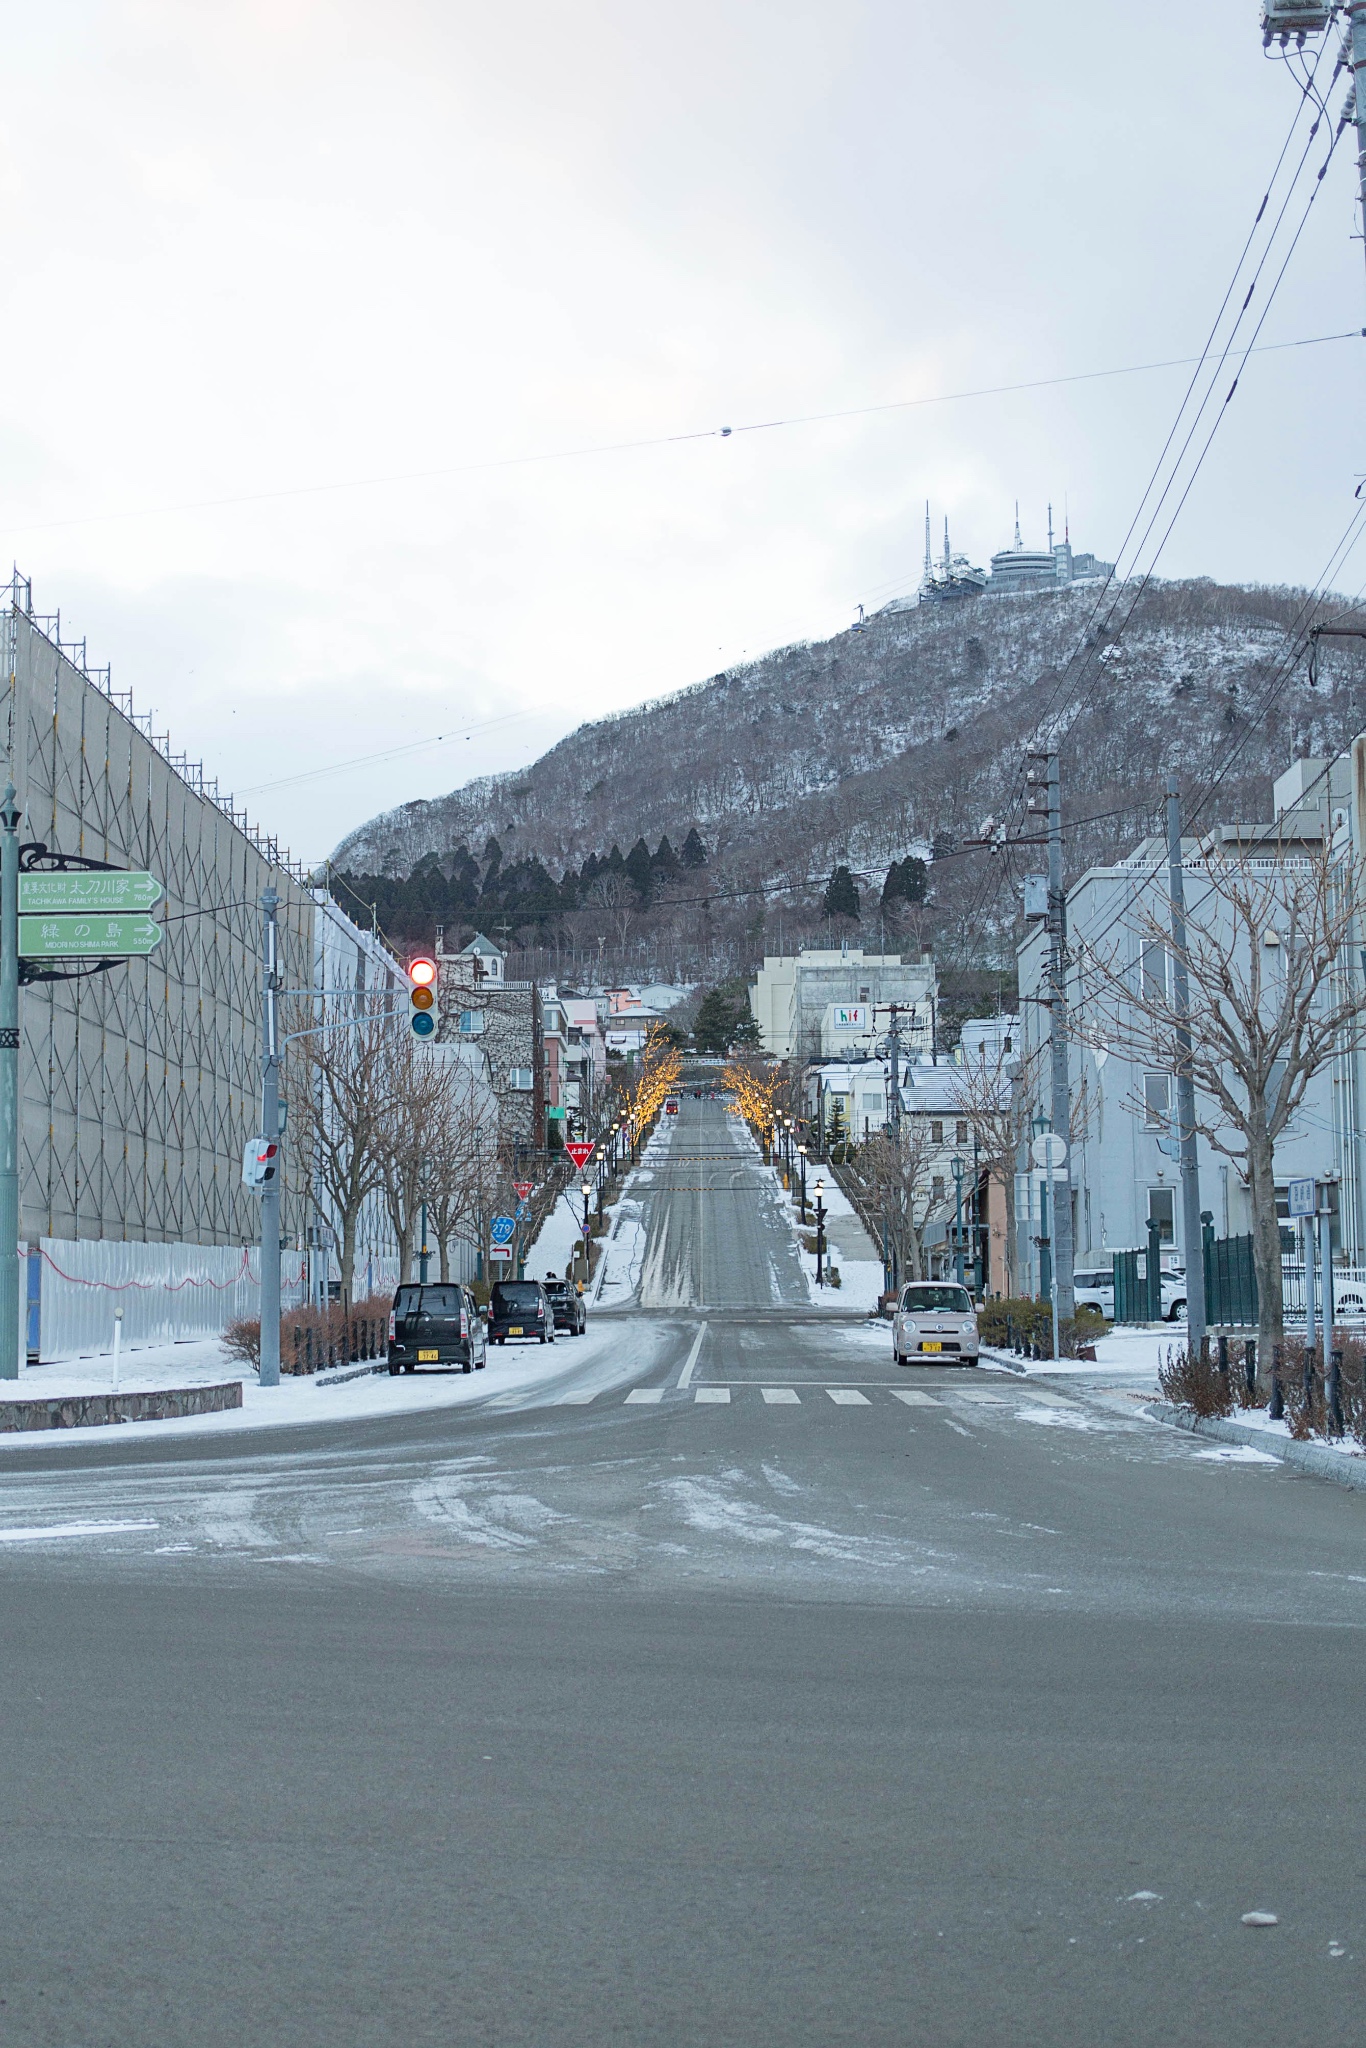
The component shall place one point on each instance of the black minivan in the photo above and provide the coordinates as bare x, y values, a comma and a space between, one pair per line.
520, 1308
437, 1325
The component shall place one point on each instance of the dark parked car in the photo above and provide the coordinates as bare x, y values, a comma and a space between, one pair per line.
439, 1326
520, 1308
567, 1303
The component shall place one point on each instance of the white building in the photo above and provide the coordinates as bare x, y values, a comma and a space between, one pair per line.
1125, 1168
830, 1004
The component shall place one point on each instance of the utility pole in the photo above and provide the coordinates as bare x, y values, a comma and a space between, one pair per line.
1060, 1187
894, 1048
10, 815
270, 1130
1192, 1235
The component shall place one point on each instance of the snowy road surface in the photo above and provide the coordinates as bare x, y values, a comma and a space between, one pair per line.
709, 1681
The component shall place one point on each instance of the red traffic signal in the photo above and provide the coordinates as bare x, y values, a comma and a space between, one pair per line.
422, 1012
260, 1161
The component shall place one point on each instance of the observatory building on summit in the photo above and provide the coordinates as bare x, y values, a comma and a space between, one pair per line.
948, 578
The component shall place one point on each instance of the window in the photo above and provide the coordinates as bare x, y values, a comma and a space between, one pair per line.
936, 1134
1162, 1211
471, 1023
1153, 972
1157, 1101
872, 1105
937, 1188
520, 1077
960, 1134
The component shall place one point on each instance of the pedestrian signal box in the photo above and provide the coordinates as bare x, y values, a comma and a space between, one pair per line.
422, 1012
260, 1161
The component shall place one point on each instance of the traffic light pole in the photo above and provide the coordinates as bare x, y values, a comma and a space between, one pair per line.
1061, 1185
10, 815
1192, 1236
270, 1128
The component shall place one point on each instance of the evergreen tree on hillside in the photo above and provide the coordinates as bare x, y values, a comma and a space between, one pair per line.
589, 871
905, 882
665, 862
841, 896
614, 860
694, 854
639, 870
716, 1021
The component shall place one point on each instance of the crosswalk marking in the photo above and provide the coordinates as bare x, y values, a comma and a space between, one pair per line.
914, 1399
577, 1400
646, 1394
711, 1393
972, 1394
776, 1395
1047, 1400
849, 1397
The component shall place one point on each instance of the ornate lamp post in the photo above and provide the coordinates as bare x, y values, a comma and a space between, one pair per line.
802, 1150
820, 1234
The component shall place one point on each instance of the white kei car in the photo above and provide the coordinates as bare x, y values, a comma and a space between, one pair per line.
934, 1319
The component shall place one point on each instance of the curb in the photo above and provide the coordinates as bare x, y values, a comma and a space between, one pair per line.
340, 1374
1313, 1458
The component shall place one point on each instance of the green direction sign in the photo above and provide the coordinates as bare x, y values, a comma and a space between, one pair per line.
86, 938
86, 890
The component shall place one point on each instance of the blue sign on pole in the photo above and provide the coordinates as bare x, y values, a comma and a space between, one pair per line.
501, 1229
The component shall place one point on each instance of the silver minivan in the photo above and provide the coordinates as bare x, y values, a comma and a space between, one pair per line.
934, 1319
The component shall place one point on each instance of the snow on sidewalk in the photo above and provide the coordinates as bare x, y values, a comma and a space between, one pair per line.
511, 1370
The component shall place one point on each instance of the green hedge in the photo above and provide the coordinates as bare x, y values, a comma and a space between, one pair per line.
1033, 1321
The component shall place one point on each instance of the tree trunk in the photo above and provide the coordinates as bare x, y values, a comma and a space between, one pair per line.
348, 1255
443, 1246
1011, 1247
1266, 1245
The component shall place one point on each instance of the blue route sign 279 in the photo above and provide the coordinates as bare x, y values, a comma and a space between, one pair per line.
501, 1229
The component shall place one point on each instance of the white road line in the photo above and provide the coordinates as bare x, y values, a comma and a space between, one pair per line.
577, 1400
775, 1395
982, 1400
915, 1399
685, 1377
71, 1529
646, 1394
848, 1397
1047, 1400
711, 1393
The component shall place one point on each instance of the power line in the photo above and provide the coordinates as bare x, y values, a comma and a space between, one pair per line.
592, 449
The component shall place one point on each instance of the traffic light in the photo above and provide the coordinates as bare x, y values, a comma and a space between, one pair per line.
422, 1012
260, 1159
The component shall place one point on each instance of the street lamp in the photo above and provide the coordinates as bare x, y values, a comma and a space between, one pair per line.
820, 1233
957, 1219
586, 1190
802, 1150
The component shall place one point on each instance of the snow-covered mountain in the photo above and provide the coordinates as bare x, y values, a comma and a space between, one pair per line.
909, 732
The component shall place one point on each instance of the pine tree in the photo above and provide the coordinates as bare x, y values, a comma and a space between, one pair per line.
716, 1021
841, 896
694, 854
639, 871
665, 862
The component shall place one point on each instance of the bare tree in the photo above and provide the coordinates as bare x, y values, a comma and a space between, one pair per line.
464, 1170
998, 1095
342, 1117
897, 1170
415, 1085
1271, 1004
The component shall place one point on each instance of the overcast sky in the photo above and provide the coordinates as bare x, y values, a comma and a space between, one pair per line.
281, 254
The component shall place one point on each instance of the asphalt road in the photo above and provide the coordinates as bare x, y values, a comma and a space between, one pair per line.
715, 1236
710, 1693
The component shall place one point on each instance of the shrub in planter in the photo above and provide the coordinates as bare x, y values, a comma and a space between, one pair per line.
1021, 1317
1193, 1380
242, 1341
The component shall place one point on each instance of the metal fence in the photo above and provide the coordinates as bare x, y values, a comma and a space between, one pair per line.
168, 1293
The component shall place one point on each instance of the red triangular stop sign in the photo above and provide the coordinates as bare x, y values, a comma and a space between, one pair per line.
580, 1154
522, 1189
